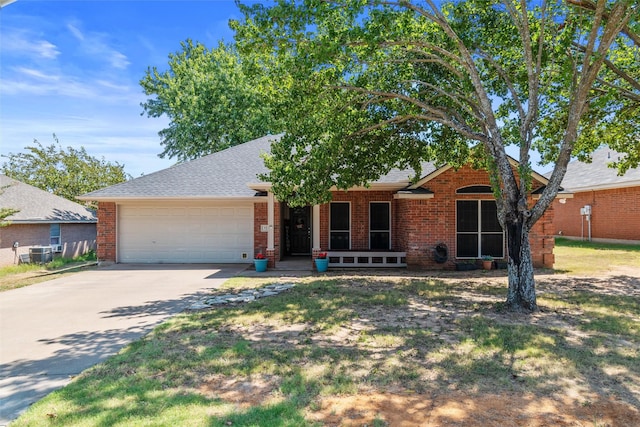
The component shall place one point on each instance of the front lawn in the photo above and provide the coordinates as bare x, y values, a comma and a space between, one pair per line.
590, 258
17, 276
417, 349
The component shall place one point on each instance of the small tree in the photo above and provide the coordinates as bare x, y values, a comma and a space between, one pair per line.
67, 173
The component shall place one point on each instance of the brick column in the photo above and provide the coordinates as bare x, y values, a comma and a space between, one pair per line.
106, 232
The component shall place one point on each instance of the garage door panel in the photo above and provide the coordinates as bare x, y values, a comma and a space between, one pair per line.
185, 234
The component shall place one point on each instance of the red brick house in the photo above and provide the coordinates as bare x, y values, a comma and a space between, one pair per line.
43, 219
214, 209
604, 206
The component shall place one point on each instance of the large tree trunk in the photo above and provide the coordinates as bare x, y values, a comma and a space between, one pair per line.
522, 290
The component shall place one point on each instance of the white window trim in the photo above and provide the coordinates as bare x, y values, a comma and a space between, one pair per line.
390, 221
479, 233
340, 231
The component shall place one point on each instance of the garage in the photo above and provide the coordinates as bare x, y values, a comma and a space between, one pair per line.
185, 232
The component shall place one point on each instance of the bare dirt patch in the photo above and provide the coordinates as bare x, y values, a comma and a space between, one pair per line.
242, 393
460, 409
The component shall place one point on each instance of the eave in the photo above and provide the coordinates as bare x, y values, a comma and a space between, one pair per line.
10, 222
132, 199
376, 186
612, 186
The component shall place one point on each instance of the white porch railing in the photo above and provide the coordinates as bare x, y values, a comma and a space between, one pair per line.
375, 259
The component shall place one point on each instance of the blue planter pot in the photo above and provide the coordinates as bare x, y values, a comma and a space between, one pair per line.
322, 264
261, 265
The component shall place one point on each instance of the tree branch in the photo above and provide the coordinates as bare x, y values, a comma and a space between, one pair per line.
589, 5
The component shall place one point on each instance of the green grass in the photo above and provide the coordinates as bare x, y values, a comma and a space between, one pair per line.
17, 276
12, 270
588, 258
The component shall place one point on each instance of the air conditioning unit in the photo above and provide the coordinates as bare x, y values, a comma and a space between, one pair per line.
56, 248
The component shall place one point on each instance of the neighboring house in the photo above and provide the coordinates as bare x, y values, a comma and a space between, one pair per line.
614, 200
43, 219
215, 210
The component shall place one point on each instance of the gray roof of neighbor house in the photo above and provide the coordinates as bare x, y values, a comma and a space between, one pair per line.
38, 206
222, 175
597, 175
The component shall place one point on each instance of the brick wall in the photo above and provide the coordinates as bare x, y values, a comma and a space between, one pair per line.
106, 231
542, 240
426, 223
615, 214
27, 235
76, 239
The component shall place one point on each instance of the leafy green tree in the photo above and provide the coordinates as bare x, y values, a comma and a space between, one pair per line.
213, 98
67, 173
382, 84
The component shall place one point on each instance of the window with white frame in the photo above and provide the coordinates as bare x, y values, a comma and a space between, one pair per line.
340, 226
380, 225
478, 231
54, 234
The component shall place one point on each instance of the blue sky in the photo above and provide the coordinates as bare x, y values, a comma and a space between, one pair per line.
73, 68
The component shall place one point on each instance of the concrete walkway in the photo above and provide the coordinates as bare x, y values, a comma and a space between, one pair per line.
53, 330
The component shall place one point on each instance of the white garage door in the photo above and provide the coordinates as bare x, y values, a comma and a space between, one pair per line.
185, 233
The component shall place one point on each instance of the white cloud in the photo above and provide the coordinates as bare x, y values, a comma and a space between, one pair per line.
75, 31
118, 60
98, 46
29, 81
22, 43
30, 72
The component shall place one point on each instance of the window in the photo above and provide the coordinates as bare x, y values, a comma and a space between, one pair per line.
475, 189
340, 226
478, 231
54, 234
379, 225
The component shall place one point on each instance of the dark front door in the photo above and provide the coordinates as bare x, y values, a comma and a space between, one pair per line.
300, 231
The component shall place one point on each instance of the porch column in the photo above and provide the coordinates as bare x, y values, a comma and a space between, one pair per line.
315, 218
271, 249
270, 219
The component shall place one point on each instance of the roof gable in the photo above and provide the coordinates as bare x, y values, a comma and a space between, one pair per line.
437, 171
38, 206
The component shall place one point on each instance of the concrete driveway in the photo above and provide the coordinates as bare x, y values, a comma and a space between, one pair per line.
53, 330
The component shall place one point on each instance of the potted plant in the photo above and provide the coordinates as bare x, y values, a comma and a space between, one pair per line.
322, 262
260, 262
487, 262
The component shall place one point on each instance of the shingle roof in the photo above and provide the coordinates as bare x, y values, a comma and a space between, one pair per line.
38, 206
596, 175
224, 174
